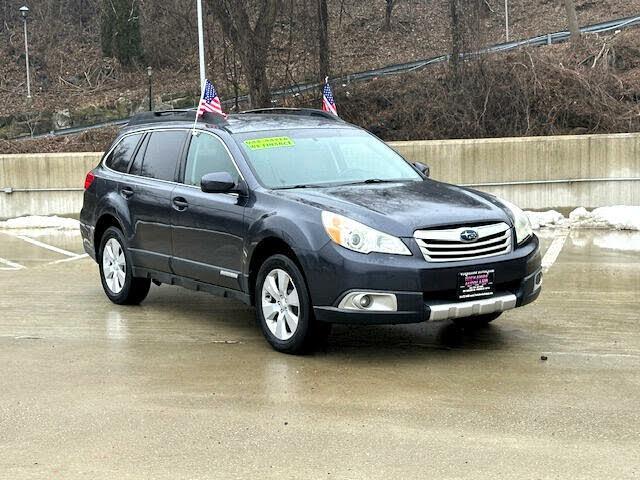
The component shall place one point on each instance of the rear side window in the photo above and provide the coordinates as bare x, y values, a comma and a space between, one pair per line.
162, 154
207, 154
121, 155
136, 164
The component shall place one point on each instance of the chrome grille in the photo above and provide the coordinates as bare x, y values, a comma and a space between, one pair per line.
447, 245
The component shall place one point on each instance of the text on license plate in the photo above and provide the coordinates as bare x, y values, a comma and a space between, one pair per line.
475, 284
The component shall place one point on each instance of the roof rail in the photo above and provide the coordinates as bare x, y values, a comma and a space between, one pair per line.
188, 115
306, 112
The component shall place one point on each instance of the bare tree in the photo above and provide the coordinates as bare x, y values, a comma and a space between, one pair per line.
250, 42
323, 38
466, 35
572, 18
457, 33
388, 12
120, 30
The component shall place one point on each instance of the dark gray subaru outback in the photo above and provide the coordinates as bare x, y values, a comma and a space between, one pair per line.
310, 219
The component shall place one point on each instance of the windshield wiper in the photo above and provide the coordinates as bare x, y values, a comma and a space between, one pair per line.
373, 180
326, 185
377, 180
302, 185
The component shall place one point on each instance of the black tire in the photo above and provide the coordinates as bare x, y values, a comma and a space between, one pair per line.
309, 332
134, 290
477, 321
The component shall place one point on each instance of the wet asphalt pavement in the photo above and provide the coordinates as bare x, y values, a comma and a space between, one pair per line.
184, 386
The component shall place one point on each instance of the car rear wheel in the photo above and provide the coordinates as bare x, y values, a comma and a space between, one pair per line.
284, 309
116, 272
477, 321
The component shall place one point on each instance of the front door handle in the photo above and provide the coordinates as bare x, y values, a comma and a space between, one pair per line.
180, 204
126, 192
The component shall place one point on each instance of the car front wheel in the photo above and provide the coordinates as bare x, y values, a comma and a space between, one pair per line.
116, 271
284, 309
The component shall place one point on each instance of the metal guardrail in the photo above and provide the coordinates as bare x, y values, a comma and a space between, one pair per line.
540, 40
10, 190
297, 89
546, 182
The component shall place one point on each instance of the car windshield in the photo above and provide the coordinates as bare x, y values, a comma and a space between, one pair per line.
322, 157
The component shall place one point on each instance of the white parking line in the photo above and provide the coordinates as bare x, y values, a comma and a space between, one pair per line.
11, 265
45, 245
554, 250
65, 260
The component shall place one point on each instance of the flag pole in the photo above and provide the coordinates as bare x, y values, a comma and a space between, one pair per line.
201, 44
202, 65
195, 122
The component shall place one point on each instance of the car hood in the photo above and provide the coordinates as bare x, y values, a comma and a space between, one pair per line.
402, 208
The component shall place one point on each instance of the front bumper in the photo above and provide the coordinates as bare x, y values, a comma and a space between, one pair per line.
424, 291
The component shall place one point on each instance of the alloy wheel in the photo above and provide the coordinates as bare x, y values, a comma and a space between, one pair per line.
280, 304
114, 265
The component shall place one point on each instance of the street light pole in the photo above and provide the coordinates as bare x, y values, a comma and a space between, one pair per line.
506, 17
24, 11
201, 45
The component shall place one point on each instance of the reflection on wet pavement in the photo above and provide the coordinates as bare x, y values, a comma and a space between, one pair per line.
184, 386
29, 248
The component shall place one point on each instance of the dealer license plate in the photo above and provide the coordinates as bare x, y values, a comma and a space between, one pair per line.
475, 284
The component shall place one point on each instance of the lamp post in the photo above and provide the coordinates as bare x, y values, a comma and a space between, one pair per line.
149, 73
506, 17
24, 10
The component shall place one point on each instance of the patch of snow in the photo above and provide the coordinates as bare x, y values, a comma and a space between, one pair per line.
550, 218
39, 221
609, 218
613, 218
620, 217
62, 234
578, 214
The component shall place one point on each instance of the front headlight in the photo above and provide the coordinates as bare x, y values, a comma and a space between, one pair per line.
360, 238
520, 221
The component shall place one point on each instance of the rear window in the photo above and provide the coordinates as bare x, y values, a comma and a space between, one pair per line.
162, 155
120, 157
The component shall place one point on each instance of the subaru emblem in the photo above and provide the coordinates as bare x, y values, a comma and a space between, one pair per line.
469, 236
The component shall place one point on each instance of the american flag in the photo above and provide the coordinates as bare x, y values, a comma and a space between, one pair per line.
328, 103
210, 102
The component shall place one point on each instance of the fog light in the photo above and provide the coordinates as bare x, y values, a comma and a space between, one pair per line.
369, 301
537, 281
365, 301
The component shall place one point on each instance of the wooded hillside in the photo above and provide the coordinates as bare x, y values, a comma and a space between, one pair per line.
89, 58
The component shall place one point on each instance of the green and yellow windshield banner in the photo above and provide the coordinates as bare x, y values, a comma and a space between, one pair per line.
270, 142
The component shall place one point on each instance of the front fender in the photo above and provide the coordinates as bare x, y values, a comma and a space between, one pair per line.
303, 235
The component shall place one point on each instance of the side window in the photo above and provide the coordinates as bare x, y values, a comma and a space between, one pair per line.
162, 154
207, 154
136, 165
121, 155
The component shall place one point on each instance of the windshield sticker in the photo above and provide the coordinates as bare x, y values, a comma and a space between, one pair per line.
271, 142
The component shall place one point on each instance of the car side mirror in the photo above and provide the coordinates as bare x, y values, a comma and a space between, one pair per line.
217, 182
424, 169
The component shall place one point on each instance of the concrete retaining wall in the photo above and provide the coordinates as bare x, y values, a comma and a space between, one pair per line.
539, 159
471, 162
44, 176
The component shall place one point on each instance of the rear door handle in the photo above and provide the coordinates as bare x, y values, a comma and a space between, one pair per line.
126, 192
180, 204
